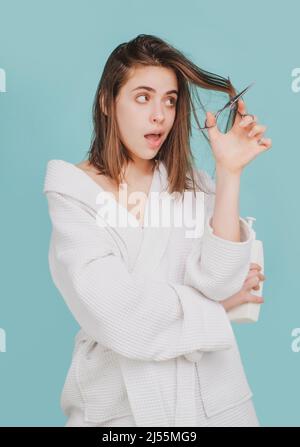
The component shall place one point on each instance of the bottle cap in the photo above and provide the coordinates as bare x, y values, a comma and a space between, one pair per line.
250, 221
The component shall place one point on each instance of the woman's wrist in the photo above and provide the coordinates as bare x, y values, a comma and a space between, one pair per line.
228, 186
223, 173
232, 301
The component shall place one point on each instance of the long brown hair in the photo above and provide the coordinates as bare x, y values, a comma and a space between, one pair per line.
107, 153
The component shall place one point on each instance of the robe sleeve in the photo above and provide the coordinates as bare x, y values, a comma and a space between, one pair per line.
142, 319
218, 267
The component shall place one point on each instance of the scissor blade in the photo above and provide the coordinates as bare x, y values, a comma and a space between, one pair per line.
233, 100
243, 91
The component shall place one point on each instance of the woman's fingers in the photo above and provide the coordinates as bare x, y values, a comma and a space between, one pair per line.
249, 298
253, 265
244, 119
252, 282
247, 120
253, 273
254, 277
249, 124
264, 144
241, 297
258, 129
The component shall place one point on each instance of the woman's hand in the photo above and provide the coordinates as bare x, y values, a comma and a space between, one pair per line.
235, 149
244, 295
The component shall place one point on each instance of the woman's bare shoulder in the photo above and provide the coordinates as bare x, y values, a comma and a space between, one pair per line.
85, 165
101, 179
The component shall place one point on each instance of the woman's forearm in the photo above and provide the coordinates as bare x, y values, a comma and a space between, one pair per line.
225, 221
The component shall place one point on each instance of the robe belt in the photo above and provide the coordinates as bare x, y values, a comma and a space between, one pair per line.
145, 396
185, 413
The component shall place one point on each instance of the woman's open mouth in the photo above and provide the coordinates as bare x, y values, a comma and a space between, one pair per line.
154, 140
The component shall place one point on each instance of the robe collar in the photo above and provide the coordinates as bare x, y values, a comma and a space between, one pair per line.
134, 241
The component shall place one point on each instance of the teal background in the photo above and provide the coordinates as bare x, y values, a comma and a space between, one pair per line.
53, 53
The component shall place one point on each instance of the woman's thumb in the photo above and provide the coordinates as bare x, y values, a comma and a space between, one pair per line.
211, 123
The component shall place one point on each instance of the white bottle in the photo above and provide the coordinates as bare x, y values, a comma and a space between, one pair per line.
249, 312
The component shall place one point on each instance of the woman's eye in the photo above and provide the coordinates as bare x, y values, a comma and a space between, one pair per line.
173, 100
141, 96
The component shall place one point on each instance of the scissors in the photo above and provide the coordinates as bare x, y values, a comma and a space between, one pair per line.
233, 101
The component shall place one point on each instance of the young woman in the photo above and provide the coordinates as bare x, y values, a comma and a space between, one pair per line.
155, 347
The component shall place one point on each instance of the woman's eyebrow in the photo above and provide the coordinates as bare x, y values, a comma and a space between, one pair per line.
150, 89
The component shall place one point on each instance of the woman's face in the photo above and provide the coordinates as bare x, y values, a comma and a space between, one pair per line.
142, 111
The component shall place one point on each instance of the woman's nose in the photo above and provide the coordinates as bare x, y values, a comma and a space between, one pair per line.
158, 116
